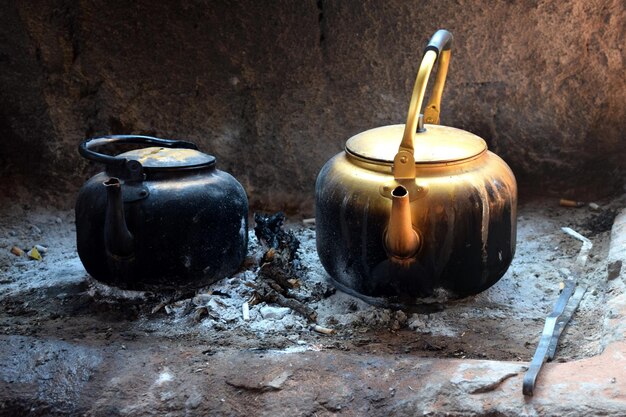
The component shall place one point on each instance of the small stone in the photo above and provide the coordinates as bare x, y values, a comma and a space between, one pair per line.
58, 220
277, 383
35, 229
614, 269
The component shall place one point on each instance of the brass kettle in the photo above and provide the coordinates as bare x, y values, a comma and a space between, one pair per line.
406, 209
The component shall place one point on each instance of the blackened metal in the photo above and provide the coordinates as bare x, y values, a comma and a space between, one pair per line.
86, 148
547, 338
118, 241
455, 225
564, 320
189, 226
468, 241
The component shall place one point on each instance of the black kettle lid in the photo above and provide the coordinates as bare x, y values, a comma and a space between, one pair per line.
157, 158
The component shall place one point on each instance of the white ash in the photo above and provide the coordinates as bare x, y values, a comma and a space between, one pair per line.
526, 294
434, 324
106, 292
225, 310
274, 313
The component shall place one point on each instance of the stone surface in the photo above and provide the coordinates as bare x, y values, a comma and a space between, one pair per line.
614, 269
274, 89
617, 250
55, 371
169, 380
70, 346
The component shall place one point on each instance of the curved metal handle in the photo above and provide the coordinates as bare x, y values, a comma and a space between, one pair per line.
86, 147
439, 46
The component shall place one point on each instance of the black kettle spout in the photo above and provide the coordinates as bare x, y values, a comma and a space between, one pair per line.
118, 241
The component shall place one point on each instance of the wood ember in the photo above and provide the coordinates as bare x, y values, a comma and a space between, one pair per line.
199, 313
279, 273
176, 295
269, 231
268, 294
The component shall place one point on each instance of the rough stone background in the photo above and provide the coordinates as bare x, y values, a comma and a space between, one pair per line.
274, 89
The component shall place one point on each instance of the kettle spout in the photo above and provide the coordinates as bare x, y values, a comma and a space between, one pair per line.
118, 241
401, 240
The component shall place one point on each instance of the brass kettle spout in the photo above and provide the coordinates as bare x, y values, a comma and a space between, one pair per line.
401, 240
118, 241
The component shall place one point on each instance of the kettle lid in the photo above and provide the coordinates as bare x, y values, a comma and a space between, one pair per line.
169, 158
436, 144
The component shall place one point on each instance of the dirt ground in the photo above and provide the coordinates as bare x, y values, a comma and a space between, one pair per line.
55, 298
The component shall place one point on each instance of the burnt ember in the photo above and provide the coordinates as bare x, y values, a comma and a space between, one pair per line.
279, 273
269, 231
280, 260
599, 223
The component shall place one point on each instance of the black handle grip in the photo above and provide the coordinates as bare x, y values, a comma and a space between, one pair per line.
440, 41
86, 147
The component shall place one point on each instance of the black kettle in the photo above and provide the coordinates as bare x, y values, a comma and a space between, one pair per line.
162, 215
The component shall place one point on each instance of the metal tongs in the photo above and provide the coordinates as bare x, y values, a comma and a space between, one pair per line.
563, 311
555, 323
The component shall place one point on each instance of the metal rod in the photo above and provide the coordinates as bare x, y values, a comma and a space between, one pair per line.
540, 355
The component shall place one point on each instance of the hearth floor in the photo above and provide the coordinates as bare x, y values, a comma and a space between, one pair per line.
72, 346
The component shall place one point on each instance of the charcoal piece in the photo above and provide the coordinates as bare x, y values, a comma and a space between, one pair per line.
269, 231
269, 228
277, 273
599, 223
266, 293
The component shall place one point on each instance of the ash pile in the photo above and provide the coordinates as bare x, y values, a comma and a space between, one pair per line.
273, 291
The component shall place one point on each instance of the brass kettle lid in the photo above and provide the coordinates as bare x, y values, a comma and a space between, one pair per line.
434, 145
169, 158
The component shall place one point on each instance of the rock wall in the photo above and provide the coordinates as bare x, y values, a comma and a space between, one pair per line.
274, 89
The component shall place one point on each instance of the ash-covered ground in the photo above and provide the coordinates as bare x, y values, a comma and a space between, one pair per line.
54, 298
